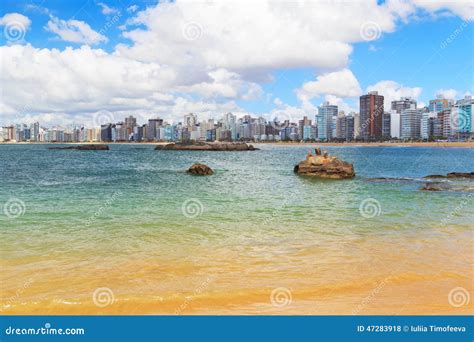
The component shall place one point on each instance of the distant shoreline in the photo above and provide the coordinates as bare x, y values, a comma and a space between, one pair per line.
465, 144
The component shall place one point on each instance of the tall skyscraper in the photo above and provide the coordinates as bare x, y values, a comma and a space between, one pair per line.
439, 104
190, 120
153, 129
462, 118
325, 120
411, 123
371, 116
404, 103
302, 124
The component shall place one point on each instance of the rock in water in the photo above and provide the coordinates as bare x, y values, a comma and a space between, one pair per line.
208, 146
325, 166
89, 147
434, 186
200, 169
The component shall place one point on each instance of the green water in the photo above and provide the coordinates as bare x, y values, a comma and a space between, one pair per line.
71, 210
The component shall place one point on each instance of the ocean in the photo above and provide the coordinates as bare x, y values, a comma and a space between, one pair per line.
127, 231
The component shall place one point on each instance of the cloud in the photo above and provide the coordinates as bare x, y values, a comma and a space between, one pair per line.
461, 8
341, 83
449, 94
392, 91
84, 80
198, 56
132, 9
265, 36
340, 103
224, 83
75, 31
106, 9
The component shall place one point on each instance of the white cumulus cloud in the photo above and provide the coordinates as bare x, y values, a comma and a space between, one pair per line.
75, 31
341, 83
392, 91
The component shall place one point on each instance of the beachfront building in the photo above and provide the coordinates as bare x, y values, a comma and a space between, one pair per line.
395, 125
386, 125
397, 107
462, 118
371, 116
404, 103
411, 124
428, 125
301, 125
325, 121
345, 128
439, 104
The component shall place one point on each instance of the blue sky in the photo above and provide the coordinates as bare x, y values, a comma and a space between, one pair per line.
222, 68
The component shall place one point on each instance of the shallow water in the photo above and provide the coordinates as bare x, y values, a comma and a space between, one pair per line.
254, 238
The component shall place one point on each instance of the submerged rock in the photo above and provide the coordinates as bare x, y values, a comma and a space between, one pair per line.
208, 146
90, 147
460, 175
200, 169
434, 186
324, 166
453, 175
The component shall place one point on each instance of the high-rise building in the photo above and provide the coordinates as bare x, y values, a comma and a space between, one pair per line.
386, 125
325, 121
190, 121
153, 129
106, 132
411, 124
302, 124
427, 132
462, 118
444, 120
34, 131
439, 104
404, 103
356, 125
371, 116
345, 127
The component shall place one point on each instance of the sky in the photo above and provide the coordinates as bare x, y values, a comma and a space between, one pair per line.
89, 62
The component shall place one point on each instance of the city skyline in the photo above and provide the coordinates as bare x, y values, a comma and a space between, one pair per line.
441, 119
65, 65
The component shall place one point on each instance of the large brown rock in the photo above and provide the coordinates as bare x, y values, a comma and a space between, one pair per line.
325, 167
200, 170
207, 146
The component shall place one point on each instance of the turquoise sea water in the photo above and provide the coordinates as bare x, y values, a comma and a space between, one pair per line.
92, 212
